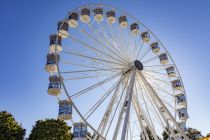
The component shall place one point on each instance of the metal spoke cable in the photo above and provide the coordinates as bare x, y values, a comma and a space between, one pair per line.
94, 86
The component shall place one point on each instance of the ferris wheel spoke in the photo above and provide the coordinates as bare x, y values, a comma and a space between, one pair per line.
102, 99
121, 44
147, 111
97, 41
86, 77
125, 44
95, 49
150, 60
142, 44
157, 98
91, 70
87, 66
94, 86
117, 43
144, 53
108, 41
148, 76
108, 111
92, 58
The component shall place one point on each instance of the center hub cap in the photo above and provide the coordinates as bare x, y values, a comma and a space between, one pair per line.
138, 65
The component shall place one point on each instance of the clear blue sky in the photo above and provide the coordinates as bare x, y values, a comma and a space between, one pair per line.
182, 25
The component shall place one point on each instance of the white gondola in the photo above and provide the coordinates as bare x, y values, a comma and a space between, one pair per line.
63, 28
145, 37
123, 21
85, 15
182, 113
98, 14
163, 58
134, 28
73, 20
111, 17
65, 110
181, 100
177, 85
80, 131
54, 87
171, 71
55, 43
51, 66
155, 47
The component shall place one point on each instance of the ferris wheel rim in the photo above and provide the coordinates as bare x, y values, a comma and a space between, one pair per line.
66, 91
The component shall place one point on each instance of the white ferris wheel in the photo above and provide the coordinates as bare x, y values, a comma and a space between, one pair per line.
117, 79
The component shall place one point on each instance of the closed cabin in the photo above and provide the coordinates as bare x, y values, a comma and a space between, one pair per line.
176, 84
123, 21
182, 113
85, 15
73, 20
134, 28
171, 71
181, 100
98, 14
155, 47
111, 17
63, 28
51, 66
80, 131
54, 87
145, 37
65, 110
163, 58
55, 43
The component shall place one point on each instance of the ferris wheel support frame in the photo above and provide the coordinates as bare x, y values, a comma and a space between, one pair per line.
154, 94
130, 96
140, 110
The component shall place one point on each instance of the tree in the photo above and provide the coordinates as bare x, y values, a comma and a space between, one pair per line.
194, 134
50, 129
149, 133
9, 128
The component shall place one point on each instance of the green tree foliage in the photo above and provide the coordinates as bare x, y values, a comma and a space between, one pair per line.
193, 134
149, 133
50, 129
9, 128
165, 135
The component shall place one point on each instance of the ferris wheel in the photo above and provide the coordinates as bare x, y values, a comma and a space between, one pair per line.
113, 77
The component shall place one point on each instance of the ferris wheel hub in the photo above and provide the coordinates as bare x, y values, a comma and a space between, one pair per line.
138, 65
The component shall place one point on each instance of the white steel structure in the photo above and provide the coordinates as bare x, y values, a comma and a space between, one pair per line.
117, 75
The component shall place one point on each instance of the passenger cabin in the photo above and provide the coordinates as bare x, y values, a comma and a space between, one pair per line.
85, 15
55, 43
134, 28
54, 87
145, 37
98, 14
111, 17
171, 71
181, 100
163, 58
63, 28
182, 113
80, 131
51, 66
123, 21
155, 47
177, 85
65, 110
73, 20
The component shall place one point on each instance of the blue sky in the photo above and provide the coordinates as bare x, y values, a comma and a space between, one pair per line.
183, 26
